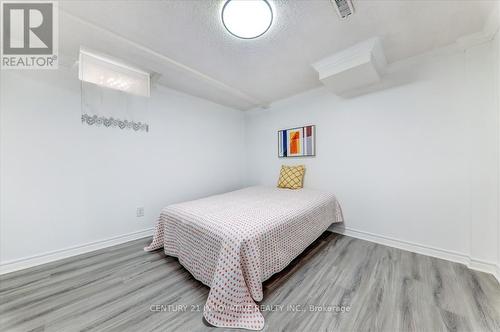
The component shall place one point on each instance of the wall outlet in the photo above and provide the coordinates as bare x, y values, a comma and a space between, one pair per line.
140, 211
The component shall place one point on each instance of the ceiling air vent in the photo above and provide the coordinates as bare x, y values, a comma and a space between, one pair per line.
344, 7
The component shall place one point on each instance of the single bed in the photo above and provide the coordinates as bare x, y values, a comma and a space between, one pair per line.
235, 241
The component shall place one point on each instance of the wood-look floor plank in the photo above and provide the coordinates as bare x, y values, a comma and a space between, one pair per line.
383, 289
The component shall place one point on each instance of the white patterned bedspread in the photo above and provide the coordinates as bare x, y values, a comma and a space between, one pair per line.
234, 241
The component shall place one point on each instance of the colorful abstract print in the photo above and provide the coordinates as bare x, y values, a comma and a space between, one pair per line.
297, 142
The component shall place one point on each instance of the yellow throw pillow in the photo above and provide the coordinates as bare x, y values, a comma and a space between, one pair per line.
291, 177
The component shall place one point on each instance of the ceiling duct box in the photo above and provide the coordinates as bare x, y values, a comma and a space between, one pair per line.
354, 68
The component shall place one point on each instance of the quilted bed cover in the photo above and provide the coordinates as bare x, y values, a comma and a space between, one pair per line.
235, 241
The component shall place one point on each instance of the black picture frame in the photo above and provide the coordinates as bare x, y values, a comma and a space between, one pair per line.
301, 127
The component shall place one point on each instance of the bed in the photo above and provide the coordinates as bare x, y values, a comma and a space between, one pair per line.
235, 241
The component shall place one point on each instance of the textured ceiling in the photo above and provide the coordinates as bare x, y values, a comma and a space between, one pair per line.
185, 42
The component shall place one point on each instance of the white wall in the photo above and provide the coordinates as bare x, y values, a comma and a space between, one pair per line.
417, 162
483, 144
496, 42
65, 184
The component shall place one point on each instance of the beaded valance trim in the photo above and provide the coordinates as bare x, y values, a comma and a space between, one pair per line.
112, 122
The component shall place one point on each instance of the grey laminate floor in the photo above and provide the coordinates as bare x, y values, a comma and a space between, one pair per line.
386, 289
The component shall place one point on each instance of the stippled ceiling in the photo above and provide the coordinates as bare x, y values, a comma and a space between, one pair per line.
185, 42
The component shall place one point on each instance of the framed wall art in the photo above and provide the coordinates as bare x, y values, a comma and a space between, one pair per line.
297, 142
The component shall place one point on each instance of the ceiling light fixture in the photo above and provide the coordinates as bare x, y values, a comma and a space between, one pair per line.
247, 19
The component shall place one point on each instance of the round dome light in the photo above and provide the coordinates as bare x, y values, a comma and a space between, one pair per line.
247, 19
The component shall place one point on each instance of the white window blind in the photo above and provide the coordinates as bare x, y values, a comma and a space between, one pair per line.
111, 73
113, 94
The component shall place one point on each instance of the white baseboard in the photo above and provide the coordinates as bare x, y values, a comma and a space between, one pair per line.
488, 267
24, 263
474, 264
